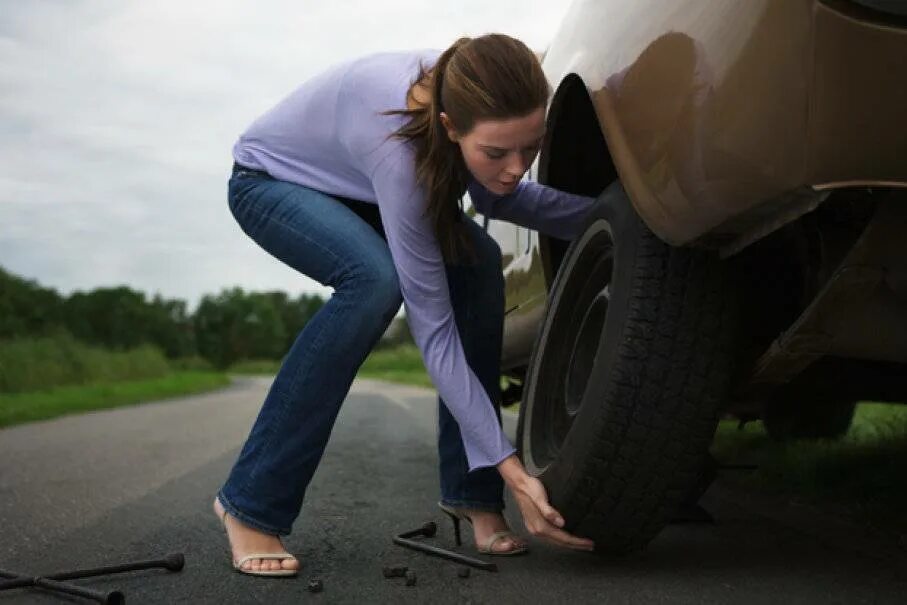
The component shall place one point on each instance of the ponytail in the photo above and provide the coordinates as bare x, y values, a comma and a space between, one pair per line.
490, 77
439, 163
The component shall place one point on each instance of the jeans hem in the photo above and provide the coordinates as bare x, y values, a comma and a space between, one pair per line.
490, 507
246, 519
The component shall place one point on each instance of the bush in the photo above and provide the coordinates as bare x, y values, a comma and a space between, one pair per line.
194, 363
397, 335
30, 364
255, 366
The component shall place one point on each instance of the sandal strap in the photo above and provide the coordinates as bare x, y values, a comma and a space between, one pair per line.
498, 535
266, 555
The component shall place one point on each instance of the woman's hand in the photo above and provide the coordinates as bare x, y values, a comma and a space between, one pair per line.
540, 518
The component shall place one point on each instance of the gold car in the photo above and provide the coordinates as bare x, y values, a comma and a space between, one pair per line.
748, 257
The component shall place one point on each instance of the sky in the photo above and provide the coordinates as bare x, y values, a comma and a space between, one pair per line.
117, 118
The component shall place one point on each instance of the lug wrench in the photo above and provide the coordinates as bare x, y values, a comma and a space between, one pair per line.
173, 562
428, 530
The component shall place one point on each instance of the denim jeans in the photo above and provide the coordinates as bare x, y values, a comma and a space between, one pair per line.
340, 243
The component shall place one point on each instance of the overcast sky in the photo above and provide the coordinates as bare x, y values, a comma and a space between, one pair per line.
117, 118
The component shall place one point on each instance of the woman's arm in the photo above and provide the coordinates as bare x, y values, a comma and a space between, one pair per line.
423, 284
537, 206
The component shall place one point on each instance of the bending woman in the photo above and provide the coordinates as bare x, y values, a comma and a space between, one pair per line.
355, 179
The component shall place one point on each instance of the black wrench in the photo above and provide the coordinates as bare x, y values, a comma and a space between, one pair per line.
52, 582
428, 530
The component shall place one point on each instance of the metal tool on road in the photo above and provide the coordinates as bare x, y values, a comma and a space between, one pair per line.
428, 530
54, 583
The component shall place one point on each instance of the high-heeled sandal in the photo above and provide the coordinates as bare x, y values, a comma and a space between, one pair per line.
457, 515
238, 565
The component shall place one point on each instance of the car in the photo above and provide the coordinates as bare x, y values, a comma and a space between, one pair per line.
747, 255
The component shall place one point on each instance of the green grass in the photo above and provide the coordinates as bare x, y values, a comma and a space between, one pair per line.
401, 364
254, 367
18, 408
31, 364
860, 475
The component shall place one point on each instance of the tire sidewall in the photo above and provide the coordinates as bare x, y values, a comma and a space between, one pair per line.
614, 213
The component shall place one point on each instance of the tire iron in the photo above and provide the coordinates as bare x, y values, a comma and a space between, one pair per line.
428, 530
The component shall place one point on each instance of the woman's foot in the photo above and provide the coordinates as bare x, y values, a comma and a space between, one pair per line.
245, 540
485, 524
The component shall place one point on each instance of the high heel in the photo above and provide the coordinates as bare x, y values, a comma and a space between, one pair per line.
238, 565
457, 515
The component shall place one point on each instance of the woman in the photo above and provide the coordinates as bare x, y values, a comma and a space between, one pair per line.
355, 180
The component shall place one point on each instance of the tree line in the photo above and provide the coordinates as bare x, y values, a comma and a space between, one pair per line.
225, 328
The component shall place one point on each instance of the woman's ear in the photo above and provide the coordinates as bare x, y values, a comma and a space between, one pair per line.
451, 133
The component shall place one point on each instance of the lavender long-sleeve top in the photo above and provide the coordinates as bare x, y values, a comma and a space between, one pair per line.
329, 135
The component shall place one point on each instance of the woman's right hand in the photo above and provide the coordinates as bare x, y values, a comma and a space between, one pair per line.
539, 517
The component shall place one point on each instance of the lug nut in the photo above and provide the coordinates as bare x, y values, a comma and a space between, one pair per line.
316, 586
463, 572
395, 571
410, 578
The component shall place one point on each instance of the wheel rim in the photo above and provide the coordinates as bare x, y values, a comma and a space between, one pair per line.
584, 348
573, 335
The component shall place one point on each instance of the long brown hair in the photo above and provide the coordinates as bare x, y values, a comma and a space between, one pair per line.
493, 76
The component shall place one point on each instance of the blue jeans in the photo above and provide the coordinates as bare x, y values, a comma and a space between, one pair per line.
340, 243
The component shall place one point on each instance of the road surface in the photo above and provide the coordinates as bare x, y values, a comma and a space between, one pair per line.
137, 482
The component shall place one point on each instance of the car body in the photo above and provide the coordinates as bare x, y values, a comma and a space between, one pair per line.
727, 123
747, 255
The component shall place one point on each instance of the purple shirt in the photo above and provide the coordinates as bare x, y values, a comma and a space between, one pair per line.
329, 135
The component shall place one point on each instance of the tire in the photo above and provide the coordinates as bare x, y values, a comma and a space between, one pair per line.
630, 365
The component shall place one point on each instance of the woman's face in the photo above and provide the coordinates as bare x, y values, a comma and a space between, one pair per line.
499, 152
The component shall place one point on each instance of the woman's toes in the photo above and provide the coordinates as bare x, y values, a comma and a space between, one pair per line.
508, 544
270, 564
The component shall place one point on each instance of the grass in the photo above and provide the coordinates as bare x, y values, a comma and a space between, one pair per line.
31, 364
255, 367
859, 475
401, 364
18, 408
49, 376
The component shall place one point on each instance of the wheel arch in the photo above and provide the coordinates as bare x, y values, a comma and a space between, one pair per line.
574, 157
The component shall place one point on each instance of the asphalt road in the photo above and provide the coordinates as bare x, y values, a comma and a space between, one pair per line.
135, 483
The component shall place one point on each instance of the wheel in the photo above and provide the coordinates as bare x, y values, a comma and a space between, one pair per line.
625, 378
